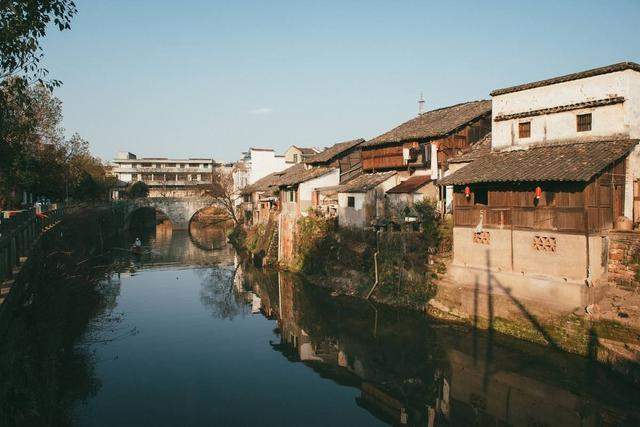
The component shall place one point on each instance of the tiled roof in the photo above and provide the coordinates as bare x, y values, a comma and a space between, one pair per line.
291, 176
434, 124
329, 154
578, 161
364, 182
621, 66
301, 173
561, 108
269, 182
411, 184
478, 149
307, 151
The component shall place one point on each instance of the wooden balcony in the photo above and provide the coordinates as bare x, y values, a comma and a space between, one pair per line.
571, 219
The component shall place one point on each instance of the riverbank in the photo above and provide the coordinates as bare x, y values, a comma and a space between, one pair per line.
342, 261
82, 233
55, 300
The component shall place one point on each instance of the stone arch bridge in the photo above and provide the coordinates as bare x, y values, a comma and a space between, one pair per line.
180, 210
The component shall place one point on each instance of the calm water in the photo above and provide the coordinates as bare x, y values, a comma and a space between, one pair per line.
189, 337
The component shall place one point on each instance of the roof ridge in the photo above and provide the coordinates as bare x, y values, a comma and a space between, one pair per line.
538, 145
611, 68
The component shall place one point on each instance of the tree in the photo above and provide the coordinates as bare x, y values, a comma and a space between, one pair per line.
223, 192
23, 23
34, 154
138, 190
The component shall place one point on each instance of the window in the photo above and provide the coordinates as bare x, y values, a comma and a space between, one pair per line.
583, 122
351, 201
295, 158
290, 196
524, 129
480, 196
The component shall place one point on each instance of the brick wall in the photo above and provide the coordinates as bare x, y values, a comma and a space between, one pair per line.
624, 259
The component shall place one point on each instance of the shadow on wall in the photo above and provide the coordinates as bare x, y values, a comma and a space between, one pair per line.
493, 286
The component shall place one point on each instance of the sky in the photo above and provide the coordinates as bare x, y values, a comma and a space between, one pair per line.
205, 78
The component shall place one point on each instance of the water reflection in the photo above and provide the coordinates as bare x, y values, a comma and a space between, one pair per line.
186, 334
416, 372
168, 247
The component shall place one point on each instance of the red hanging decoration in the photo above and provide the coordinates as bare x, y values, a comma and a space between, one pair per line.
538, 192
467, 192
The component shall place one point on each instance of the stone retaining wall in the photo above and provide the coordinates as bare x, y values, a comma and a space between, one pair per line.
624, 259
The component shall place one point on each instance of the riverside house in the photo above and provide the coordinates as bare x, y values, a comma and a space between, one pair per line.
532, 208
360, 201
422, 145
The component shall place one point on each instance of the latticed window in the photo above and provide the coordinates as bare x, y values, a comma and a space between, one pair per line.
584, 122
524, 129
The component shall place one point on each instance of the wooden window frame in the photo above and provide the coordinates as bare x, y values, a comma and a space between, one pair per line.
351, 202
584, 122
524, 130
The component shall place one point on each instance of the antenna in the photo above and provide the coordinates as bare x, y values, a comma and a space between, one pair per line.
421, 103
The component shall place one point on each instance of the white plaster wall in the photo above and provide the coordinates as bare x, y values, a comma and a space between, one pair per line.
612, 120
355, 216
126, 177
263, 163
306, 188
359, 200
607, 121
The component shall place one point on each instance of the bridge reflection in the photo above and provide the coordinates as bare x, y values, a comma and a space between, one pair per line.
198, 246
413, 370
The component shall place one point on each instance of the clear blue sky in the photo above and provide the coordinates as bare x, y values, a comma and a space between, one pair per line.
211, 78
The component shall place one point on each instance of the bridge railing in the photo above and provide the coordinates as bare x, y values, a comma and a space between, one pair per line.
19, 232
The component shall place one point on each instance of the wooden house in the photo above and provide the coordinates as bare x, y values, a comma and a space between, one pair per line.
360, 201
423, 144
416, 188
344, 155
531, 212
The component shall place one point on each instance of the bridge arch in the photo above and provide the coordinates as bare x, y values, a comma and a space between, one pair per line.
178, 210
134, 216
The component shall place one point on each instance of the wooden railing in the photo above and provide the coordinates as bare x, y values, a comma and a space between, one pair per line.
18, 234
539, 218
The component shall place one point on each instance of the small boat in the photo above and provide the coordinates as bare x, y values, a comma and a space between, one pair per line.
136, 250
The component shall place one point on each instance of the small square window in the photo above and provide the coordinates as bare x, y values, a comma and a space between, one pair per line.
351, 201
480, 196
524, 129
583, 122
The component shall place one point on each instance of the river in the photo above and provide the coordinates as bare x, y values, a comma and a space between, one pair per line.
186, 335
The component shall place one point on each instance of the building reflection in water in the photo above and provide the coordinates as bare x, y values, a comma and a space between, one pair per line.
417, 372
196, 247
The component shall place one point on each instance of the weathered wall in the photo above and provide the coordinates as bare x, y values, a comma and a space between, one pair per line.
355, 216
624, 259
493, 264
306, 189
566, 259
619, 119
287, 224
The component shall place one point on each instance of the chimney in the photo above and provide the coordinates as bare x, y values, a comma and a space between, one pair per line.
421, 102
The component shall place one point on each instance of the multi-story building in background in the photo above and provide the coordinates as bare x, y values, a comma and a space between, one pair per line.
166, 177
